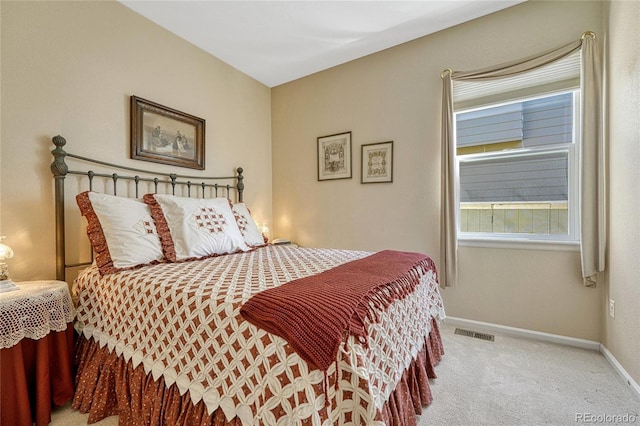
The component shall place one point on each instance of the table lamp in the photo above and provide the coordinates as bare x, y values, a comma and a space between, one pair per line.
264, 230
5, 283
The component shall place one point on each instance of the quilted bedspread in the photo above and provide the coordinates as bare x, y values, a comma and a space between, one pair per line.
182, 322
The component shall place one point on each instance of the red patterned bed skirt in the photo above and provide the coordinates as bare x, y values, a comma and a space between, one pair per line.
107, 385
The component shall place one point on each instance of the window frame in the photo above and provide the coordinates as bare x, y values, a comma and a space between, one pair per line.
571, 240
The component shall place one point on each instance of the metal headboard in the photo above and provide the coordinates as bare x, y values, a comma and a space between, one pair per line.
199, 184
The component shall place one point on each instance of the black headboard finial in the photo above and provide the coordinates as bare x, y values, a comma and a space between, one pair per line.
240, 184
59, 167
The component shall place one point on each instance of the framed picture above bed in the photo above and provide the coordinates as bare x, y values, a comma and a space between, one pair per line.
377, 162
164, 135
334, 156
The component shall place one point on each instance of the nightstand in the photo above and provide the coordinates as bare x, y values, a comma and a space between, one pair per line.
283, 242
36, 351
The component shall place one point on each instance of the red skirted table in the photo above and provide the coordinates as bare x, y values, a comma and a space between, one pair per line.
36, 352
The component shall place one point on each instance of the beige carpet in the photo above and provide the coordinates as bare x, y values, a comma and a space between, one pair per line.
511, 381
515, 381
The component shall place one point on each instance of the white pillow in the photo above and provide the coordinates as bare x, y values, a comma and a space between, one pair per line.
127, 227
197, 227
248, 227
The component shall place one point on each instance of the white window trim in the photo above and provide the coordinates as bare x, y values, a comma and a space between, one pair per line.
518, 244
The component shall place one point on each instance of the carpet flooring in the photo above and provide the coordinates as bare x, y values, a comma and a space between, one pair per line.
516, 381
510, 381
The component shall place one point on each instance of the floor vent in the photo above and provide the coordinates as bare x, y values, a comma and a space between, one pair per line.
475, 334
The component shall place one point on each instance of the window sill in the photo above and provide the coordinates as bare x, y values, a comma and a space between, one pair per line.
519, 244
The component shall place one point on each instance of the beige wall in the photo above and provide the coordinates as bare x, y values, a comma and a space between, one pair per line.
0, 117
395, 95
69, 68
622, 333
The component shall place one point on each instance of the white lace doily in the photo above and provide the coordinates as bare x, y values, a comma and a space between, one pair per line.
34, 310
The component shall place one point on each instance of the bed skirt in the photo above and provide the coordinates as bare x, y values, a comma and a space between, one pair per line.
107, 385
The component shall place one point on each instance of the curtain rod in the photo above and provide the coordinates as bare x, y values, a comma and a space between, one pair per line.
444, 72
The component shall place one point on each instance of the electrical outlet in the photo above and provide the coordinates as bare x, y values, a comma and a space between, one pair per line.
612, 308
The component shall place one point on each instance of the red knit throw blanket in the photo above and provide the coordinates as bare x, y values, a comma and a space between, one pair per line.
314, 314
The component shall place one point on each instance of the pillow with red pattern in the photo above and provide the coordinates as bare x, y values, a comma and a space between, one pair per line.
121, 231
195, 228
248, 227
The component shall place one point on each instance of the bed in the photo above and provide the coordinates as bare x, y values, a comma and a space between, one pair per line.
207, 325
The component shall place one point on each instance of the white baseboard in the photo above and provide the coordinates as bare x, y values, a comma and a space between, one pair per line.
620, 370
523, 332
553, 338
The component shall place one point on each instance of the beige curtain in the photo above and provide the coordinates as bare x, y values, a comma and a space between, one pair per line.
448, 218
592, 221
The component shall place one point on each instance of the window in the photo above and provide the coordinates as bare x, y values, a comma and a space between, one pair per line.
517, 168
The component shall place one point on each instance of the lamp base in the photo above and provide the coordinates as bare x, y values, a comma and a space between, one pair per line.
8, 285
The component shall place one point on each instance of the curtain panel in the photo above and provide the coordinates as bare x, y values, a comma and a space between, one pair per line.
591, 169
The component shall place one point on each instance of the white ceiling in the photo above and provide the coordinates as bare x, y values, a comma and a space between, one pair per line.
279, 41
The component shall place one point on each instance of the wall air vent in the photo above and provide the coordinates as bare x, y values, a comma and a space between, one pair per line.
475, 334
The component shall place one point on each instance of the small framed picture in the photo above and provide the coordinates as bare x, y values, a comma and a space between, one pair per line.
377, 162
164, 135
334, 156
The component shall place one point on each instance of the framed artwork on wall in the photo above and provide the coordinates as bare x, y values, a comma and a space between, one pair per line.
334, 156
377, 162
164, 135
